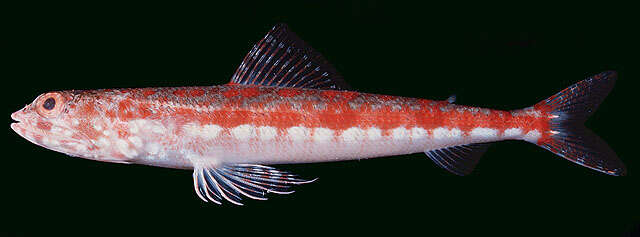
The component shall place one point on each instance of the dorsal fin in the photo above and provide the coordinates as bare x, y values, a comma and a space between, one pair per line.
451, 99
282, 59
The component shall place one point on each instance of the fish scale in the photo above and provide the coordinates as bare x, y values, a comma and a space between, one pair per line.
287, 104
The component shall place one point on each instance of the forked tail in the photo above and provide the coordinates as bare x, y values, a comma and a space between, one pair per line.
569, 138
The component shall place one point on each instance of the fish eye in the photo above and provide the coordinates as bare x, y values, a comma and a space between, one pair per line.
49, 103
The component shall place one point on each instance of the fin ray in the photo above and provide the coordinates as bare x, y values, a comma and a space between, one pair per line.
460, 160
234, 181
197, 186
282, 59
225, 190
569, 138
211, 189
451, 99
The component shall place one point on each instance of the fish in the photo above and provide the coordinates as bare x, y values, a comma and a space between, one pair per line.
286, 104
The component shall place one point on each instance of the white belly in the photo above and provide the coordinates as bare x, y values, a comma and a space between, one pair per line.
302, 145
210, 146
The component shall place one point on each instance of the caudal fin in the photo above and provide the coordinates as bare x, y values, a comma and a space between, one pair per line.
569, 138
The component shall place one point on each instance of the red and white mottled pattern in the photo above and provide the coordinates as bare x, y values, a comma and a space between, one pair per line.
206, 126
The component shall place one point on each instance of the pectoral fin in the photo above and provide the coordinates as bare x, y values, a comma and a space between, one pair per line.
233, 182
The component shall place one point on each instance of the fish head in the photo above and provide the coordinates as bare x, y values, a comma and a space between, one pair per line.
51, 121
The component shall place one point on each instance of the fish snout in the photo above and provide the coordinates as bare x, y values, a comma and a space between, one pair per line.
17, 116
17, 126
20, 118
20, 114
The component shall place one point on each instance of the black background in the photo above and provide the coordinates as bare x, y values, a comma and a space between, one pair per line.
497, 56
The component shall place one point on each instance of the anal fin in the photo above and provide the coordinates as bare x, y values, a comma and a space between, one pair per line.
460, 160
233, 182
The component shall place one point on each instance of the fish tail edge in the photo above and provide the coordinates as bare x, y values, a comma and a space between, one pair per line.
569, 138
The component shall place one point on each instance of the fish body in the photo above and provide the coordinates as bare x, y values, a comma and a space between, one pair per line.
179, 127
286, 104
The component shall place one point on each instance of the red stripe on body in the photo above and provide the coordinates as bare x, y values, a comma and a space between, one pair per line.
338, 110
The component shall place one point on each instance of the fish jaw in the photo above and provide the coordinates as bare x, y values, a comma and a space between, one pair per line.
51, 133
20, 127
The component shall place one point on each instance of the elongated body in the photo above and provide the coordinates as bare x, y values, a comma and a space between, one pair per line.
177, 127
285, 104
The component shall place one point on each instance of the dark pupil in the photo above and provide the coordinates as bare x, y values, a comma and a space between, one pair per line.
49, 104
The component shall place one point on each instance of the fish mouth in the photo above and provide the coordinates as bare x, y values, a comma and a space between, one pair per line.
17, 119
15, 126
18, 125
20, 129
18, 116
24, 129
